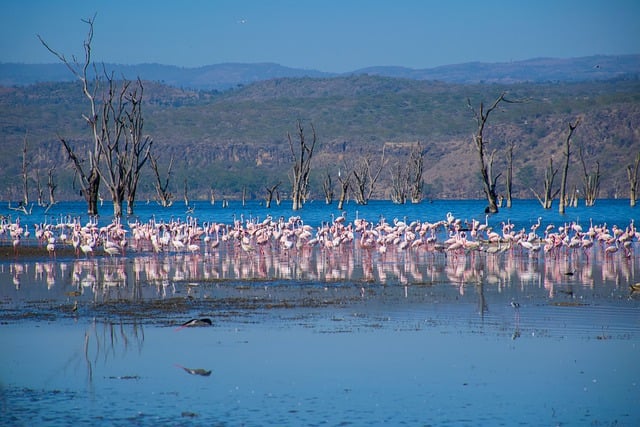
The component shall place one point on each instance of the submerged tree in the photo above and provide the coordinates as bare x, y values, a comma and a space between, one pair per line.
416, 170
565, 169
121, 144
25, 174
345, 182
327, 189
270, 192
632, 175
366, 173
119, 149
509, 177
164, 196
137, 148
86, 169
399, 183
51, 185
547, 198
591, 181
485, 160
301, 166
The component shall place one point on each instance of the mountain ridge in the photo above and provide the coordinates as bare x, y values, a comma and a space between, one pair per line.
224, 76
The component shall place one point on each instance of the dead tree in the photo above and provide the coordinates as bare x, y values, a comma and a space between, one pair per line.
185, 194
399, 183
485, 161
632, 174
25, 174
112, 142
40, 190
366, 174
137, 145
549, 176
345, 182
164, 197
125, 149
301, 166
416, 170
86, 170
509, 177
270, 192
565, 169
327, 189
591, 181
51, 185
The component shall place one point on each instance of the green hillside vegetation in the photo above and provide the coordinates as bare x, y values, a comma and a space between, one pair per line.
237, 139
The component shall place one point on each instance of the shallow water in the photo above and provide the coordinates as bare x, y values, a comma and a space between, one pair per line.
315, 338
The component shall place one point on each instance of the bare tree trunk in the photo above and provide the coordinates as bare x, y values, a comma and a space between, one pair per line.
301, 167
565, 169
186, 193
138, 148
111, 141
270, 192
366, 174
40, 189
164, 197
509, 177
327, 188
416, 171
632, 174
345, 181
89, 184
549, 176
89, 176
25, 174
591, 181
488, 182
52, 186
399, 184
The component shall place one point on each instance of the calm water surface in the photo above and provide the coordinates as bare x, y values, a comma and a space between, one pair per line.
314, 338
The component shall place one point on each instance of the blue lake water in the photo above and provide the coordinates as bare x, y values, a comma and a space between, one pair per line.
312, 338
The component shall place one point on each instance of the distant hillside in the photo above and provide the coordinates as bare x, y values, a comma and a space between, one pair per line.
226, 76
237, 139
588, 68
210, 77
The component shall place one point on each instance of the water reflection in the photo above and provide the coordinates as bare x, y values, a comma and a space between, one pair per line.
138, 277
106, 341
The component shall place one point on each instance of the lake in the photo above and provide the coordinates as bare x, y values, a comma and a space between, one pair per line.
324, 335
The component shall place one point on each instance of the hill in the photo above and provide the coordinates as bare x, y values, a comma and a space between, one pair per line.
231, 75
237, 139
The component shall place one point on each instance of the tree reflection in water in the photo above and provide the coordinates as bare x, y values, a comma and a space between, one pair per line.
107, 340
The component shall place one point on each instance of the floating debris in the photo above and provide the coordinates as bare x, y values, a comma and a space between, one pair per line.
125, 377
192, 323
197, 371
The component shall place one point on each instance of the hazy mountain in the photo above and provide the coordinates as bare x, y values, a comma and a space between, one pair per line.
229, 75
217, 77
588, 68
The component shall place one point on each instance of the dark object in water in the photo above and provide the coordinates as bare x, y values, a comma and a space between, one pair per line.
197, 322
515, 304
197, 371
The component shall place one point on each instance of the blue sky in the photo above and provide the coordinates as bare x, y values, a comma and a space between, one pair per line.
326, 35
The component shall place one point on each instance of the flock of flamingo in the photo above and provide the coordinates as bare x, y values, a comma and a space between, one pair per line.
253, 237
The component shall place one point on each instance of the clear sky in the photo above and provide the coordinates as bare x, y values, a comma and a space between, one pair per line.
326, 35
